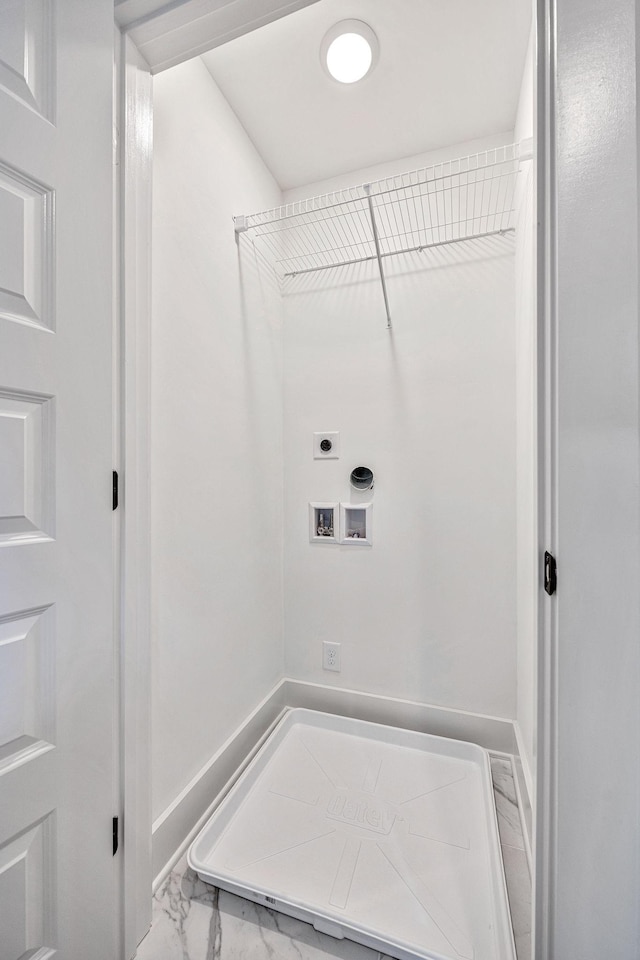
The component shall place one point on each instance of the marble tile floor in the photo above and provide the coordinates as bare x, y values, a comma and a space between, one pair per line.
514, 857
193, 921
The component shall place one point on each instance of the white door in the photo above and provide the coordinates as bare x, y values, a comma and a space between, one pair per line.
57, 876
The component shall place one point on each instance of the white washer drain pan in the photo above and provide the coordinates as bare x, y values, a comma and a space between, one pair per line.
385, 836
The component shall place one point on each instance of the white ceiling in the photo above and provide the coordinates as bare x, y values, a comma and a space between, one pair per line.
449, 71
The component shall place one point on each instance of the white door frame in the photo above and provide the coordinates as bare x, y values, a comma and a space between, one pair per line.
588, 792
136, 159
134, 255
543, 839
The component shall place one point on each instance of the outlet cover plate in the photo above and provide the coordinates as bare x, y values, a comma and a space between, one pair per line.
334, 439
331, 655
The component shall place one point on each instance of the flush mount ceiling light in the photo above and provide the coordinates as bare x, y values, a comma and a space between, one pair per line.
349, 51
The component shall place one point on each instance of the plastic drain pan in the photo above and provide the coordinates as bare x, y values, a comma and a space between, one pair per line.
385, 836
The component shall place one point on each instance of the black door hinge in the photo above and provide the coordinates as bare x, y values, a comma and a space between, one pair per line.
550, 573
115, 835
115, 489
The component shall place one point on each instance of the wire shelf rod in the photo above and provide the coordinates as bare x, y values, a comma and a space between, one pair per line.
397, 253
464, 227
389, 237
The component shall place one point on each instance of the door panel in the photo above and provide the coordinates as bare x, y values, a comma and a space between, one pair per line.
26, 247
26, 878
28, 709
57, 768
27, 58
27, 484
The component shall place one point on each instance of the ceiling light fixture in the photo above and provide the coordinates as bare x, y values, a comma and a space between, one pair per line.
349, 51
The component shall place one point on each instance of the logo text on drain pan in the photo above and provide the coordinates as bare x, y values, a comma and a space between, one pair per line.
360, 810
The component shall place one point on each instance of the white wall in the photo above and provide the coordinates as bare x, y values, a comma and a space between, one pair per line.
527, 571
216, 435
398, 166
428, 613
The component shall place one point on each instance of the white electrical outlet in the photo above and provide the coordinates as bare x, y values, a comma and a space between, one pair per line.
331, 655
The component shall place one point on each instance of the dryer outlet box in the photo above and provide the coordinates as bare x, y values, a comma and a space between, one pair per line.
326, 446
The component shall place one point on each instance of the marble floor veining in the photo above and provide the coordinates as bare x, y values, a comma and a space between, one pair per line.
514, 857
194, 921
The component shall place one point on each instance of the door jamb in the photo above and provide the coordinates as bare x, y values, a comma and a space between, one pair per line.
134, 156
544, 841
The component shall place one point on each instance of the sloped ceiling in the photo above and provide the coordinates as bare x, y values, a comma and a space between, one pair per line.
449, 71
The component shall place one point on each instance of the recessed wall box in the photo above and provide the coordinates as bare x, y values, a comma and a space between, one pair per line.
326, 446
323, 522
355, 523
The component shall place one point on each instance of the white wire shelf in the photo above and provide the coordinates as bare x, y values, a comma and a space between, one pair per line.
452, 201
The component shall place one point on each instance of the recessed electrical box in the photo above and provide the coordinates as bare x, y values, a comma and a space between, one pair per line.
326, 446
356, 523
323, 522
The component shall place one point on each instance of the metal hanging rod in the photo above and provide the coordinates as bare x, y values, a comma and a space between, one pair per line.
449, 202
397, 253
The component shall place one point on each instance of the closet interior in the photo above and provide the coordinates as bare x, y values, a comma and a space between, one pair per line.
344, 280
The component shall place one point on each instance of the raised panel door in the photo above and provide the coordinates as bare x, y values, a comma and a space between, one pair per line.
57, 662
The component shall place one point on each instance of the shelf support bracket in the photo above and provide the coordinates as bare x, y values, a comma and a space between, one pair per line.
376, 240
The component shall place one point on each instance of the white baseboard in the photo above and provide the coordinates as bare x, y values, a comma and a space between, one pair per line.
178, 824
492, 733
175, 828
